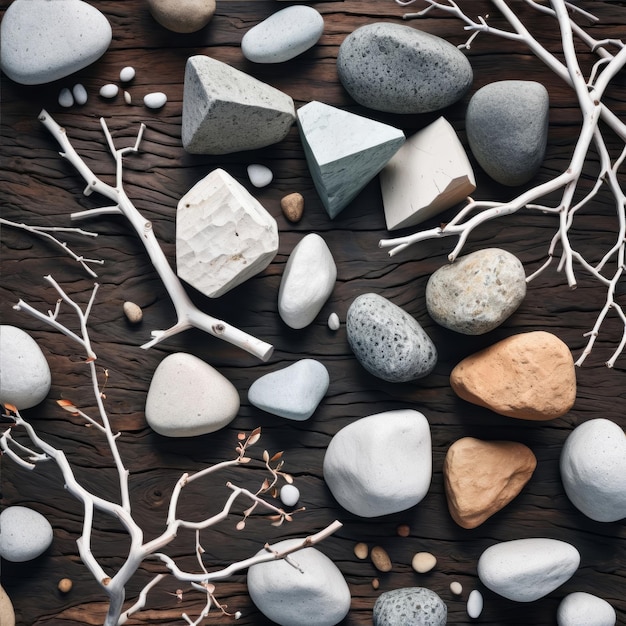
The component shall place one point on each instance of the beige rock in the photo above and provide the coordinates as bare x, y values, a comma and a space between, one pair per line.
481, 477
133, 312
529, 376
182, 16
7, 614
380, 559
423, 562
292, 206
361, 550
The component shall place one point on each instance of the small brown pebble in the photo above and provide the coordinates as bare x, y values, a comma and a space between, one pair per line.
292, 206
423, 562
133, 312
380, 559
403, 530
375, 583
65, 585
361, 550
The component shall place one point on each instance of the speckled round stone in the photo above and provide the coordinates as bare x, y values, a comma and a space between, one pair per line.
25, 534
400, 69
414, 606
387, 341
477, 292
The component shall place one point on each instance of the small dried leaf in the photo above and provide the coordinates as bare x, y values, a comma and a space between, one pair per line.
266, 456
105, 581
68, 406
288, 478
245, 459
249, 511
266, 485
240, 525
254, 436
280, 465
241, 436
210, 587
274, 493
278, 522
289, 518
277, 456
90, 359
11, 408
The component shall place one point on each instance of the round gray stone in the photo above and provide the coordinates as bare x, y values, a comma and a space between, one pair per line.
507, 129
476, 293
25, 534
399, 69
387, 341
410, 606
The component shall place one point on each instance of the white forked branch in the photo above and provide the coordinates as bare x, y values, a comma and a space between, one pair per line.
589, 93
188, 315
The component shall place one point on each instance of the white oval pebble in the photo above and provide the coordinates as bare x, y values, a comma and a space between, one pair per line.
127, 74
155, 100
456, 588
260, 175
24, 534
80, 94
289, 495
333, 321
109, 91
66, 100
127, 97
475, 604
423, 562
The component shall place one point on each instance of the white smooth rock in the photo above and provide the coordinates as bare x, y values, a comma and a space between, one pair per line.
66, 100
127, 74
24, 534
593, 469
128, 99
155, 100
584, 609
80, 94
307, 282
224, 235
314, 595
42, 41
260, 175
289, 495
525, 570
188, 397
283, 35
110, 90
25, 377
380, 464
475, 604
7, 614
333, 321
293, 392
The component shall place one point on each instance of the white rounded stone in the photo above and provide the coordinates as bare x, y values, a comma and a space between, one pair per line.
109, 90
475, 604
24, 534
293, 392
525, 570
127, 74
260, 175
307, 282
584, 609
380, 464
25, 377
316, 594
66, 100
188, 397
283, 35
80, 94
593, 469
333, 321
155, 100
289, 495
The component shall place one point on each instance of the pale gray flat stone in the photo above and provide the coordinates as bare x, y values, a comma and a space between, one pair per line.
414, 606
344, 151
584, 609
226, 110
25, 534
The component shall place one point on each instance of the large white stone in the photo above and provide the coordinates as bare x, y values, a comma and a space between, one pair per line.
313, 594
223, 235
226, 110
344, 151
24, 372
380, 464
429, 174
42, 41
188, 397
25, 534
525, 570
584, 609
593, 469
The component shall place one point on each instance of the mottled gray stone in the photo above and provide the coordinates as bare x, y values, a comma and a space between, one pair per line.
226, 110
477, 292
400, 69
410, 606
507, 129
387, 341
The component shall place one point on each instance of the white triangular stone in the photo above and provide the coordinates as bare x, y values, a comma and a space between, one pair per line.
344, 151
429, 174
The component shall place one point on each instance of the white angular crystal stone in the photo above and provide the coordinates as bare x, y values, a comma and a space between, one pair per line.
429, 174
223, 235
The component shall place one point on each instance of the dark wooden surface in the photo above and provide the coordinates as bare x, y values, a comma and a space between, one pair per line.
38, 187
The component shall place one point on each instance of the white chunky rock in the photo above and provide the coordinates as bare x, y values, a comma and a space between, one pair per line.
525, 570
380, 464
593, 469
314, 595
187, 397
283, 35
226, 110
293, 392
42, 41
584, 609
25, 377
307, 282
224, 235
25, 534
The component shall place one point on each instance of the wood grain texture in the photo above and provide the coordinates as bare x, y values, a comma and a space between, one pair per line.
38, 187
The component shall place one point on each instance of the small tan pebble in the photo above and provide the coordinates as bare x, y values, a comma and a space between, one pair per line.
380, 559
403, 530
133, 312
456, 588
65, 585
375, 583
423, 562
333, 321
292, 206
361, 550
127, 98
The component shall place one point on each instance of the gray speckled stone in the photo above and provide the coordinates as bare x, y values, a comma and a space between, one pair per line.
477, 292
387, 341
25, 534
507, 129
399, 69
410, 606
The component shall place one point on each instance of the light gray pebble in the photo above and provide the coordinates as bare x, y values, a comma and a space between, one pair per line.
109, 90
475, 604
155, 100
80, 94
127, 74
333, 321
417, 606
260, 175
66, 100
25, 534
133, 312
127, 98
289, 495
